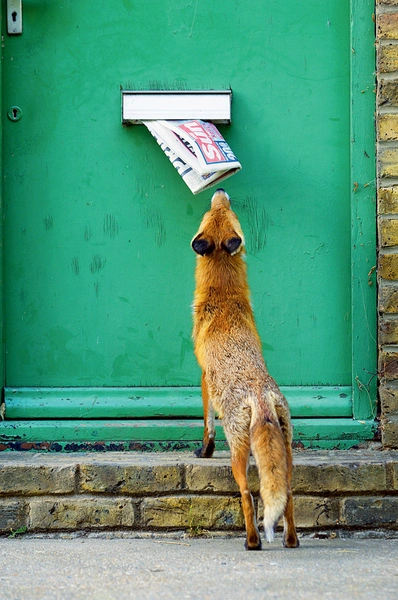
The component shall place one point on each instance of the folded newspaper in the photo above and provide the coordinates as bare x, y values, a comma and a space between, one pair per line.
197, 150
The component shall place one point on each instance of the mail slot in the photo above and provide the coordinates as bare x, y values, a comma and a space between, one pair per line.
209, 105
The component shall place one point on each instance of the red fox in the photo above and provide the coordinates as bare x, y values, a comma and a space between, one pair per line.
235, 380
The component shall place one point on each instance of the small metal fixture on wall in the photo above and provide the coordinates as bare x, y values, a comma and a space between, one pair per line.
14, 17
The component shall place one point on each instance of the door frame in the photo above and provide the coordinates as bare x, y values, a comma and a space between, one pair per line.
363, 210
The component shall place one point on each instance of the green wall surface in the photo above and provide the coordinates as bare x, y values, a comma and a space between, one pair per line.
98, 267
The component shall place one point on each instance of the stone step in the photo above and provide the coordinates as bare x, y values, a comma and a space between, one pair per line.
352, 489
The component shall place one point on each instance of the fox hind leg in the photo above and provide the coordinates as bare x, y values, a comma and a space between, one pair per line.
240, 461
239, 444
290, 539
207, 449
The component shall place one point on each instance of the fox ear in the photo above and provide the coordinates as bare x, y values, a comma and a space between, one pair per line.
202, 246
232, 245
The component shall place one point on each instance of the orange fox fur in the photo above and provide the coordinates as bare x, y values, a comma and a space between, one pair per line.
235, 380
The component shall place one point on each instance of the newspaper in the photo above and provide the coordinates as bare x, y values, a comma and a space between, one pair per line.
197, 150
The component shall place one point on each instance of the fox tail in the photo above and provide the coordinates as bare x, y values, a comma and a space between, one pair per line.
268, 449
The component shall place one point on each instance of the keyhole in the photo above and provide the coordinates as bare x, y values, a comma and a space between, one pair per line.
14, 16
14, 113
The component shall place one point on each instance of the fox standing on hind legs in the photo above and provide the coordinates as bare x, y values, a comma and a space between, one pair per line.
235, 380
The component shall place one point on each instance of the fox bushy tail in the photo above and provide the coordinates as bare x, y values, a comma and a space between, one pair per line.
268, 449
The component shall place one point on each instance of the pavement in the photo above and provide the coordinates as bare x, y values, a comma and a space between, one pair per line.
172, 567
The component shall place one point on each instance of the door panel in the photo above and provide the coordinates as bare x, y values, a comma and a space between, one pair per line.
98, 268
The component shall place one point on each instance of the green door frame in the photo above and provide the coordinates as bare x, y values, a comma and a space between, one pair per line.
363, 211
312, 432
2, 312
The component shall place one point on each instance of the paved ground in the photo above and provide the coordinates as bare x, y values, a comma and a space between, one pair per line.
165, 568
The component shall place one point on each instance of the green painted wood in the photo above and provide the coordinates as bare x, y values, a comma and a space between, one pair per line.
2, 346
155, 446
144, 403
99, 270
160, 430
363, 203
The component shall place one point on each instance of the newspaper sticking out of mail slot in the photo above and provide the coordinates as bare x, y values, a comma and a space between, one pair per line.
197, 150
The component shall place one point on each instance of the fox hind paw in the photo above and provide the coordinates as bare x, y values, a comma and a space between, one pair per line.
291, 542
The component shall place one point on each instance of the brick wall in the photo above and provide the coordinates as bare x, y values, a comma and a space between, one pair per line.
174, 491
387, 146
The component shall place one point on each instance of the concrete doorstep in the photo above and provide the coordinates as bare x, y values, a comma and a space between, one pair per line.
333, 490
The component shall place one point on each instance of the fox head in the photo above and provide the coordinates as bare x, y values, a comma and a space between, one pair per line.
219, 230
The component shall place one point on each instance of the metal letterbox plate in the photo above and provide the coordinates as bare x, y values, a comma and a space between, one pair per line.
149, 105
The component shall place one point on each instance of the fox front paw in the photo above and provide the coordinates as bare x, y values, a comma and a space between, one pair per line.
206, 451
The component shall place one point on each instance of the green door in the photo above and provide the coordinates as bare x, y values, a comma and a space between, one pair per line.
98, 268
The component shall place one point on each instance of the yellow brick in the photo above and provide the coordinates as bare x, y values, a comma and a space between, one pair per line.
388, 365
387, 128
388, 266
388, 331
320, 477
192, 512
388, 162
365, 511
213, 477
25, 478
316, 511
388, 232
311, 511
389, 436
80, 512
388, 298
13, 514
388, 402
112, 478
387, 93
387, 58
388, 200
387, 26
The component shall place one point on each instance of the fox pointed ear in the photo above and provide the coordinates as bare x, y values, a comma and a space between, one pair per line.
232, 245
202, 246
